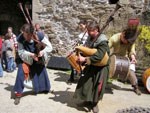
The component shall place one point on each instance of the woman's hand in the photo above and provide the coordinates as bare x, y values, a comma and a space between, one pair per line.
74, 43
34, 56
40, 54
133, 60
81, 59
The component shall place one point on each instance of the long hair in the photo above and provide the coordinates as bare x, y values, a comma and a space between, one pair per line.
84, 22
7, 36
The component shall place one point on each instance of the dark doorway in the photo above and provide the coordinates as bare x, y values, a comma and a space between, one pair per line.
113, 1
11, 15
3, 26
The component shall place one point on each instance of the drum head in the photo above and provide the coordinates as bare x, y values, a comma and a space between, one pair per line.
112, 66
148, 84
146, 79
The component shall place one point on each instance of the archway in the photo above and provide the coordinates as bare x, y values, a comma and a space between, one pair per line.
11, 15
4, 25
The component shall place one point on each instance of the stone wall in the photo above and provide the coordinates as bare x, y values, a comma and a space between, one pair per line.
59, 18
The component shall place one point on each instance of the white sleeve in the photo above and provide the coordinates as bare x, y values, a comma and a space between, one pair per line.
47, 49
80, 36
24, 55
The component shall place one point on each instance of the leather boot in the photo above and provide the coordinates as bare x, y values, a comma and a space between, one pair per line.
71, 79
136, 89
84, 104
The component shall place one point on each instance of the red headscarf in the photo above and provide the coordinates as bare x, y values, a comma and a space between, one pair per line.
133, 22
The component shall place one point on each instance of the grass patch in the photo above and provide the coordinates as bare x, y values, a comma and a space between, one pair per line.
67, 71
110, 80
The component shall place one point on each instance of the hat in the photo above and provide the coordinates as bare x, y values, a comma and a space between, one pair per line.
133, 22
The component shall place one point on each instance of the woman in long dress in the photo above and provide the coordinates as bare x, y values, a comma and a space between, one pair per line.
29, 67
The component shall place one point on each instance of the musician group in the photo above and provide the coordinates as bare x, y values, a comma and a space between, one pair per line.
91, 85
94, 54
91, 59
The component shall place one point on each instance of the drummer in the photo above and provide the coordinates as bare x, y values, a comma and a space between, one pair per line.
123, 44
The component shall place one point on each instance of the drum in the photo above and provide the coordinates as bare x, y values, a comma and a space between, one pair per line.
119, 67
146, 79
72, 58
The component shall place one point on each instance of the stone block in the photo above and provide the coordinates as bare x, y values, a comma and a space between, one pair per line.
44, 1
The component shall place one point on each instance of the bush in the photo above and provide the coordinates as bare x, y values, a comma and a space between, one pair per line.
145, 37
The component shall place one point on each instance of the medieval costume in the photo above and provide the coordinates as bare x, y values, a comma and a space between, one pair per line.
37, 72
119, 48
123, 45
91, 85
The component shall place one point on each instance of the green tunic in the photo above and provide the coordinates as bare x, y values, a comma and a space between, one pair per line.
88, 85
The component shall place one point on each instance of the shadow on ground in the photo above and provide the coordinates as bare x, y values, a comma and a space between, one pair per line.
66, 97
12, 96
110, 87
64, 77
9, 88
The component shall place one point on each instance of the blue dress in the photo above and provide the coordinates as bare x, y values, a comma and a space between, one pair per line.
38, 73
